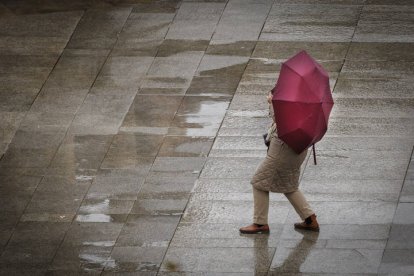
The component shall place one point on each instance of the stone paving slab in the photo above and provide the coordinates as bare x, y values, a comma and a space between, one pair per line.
129, 133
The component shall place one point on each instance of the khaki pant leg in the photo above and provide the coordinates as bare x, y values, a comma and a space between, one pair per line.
298, 201
261, 206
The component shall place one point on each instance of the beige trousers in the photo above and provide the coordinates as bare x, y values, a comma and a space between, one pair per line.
261, 205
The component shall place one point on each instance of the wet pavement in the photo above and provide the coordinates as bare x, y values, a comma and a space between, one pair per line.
130, 130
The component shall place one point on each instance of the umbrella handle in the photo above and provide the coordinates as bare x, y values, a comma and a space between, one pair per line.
314, 154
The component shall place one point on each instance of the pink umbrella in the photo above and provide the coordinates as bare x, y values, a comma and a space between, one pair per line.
302, 101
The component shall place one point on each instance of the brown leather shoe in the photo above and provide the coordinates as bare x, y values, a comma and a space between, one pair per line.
310, 223
255, 229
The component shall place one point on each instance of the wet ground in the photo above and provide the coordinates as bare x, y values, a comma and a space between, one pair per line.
130, 130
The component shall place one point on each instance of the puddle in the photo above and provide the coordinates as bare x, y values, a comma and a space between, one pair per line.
94, 218
96, 207
100, 243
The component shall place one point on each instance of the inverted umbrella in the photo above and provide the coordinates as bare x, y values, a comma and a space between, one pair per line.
302, 101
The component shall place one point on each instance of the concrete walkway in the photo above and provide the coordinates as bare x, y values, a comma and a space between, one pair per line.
129, 131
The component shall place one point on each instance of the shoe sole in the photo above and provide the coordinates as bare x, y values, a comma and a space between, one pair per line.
307, 229
258, 232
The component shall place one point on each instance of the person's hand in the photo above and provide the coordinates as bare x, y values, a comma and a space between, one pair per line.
269, 97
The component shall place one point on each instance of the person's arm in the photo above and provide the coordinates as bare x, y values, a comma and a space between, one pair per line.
271, 111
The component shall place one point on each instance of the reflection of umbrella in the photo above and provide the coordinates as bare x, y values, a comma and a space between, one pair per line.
302, 101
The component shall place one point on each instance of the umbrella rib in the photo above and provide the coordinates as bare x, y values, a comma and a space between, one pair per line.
294, 71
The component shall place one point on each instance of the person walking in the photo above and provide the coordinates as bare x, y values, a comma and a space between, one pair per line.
279, 173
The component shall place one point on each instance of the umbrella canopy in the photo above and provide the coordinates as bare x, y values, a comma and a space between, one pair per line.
302, 101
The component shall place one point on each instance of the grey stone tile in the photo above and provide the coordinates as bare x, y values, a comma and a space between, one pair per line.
351, 190
353, 166
38, 233
96, 124
143, 27
181, 65
397, 262
132, 258
336, 2
127, 67
9, 124
170, 47
407, 192
27, 66
116, 83
58, 100
92, 234
380, 127
156, 7
47, 217
334, 232
373, 108
27, 258
223, 185
371, 144
333, 260
98, 28
197, 112
37, 139
285, 49
27, 45
380, 51
185, 166
388, 2
58, 195
159, 206
250, 103
18, 185
216, 235
377, 69
27, 158
33, 245
176, 146
15, 99
195, 21
164, 86
230, 211
241, 21
131, 162
81, 259
144, 111
238, 48
14, 205
131, 145
85, 151
137, 273
116, 184
200, 259
101, 218
404, 214
373, 88
361, 212
306, 23
385, 24
79, 62
357, 244
233, 146
48, 122
44, 25
244, 125
164, 185
230, 167
139, 231
105, 206
400, 236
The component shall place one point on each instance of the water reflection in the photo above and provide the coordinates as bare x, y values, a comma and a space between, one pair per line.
94, 218
297, 255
